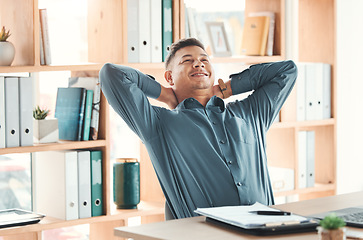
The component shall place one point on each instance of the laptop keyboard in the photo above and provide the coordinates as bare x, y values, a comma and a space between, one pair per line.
353, 217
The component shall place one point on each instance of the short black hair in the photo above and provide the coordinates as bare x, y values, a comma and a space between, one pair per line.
182, 43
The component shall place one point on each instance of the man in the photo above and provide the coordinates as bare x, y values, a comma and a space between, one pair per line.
205, 154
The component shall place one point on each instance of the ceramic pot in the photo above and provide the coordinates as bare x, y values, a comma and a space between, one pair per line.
332, 234
46, 130
7, 53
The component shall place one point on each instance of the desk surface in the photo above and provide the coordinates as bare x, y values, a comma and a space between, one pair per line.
198, 228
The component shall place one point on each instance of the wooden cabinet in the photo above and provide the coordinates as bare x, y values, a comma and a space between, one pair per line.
107, 42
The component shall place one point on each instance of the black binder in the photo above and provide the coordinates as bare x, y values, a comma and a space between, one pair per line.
308, 226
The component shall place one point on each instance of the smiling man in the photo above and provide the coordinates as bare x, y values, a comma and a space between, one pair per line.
205, 153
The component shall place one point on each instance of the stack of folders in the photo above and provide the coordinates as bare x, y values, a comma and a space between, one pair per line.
313, 91
67, 184
16, 111
149, 30
306, 159
74, 112
257, 219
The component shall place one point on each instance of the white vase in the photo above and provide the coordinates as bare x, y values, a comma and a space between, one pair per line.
46, 130
7, 53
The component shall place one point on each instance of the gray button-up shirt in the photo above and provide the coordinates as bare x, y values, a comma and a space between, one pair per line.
205, 156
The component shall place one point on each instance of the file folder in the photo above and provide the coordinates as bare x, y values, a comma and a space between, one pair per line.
26, 110
144, 40
167, 27
300, 93
96, 183
156, 30
2, 112
243, 218
55, 184
310, 158
84, 184
133, 50
302, 159
11, 112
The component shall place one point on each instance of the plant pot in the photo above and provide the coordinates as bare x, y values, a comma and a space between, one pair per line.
46, 130
332, 234
7, 53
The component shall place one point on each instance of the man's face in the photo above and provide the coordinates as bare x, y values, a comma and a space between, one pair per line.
191, 69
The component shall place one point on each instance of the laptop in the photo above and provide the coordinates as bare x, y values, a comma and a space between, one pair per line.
353, 216
18, 217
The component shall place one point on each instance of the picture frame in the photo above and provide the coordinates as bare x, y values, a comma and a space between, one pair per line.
218, 39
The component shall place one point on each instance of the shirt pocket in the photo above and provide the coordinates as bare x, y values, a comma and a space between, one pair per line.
239, 130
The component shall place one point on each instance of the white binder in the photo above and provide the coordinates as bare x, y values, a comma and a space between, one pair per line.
326, 94
302, 159
156, 30
2, 112
84, 184
26, 111
318, 91
55, 184
133, 31
300, 93
11, 112
311, 92
144, 31
310, 159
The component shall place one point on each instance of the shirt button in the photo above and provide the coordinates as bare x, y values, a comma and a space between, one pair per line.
239, 184
214, 123
222, 141
229, 162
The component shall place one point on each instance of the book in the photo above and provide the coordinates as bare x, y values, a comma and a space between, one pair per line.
87, 115
90, 83
271, 30
167, 29
43, 15
69, 111
255, 32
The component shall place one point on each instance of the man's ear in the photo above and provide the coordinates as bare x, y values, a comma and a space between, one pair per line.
168, 77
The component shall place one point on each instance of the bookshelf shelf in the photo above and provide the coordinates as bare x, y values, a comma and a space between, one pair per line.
319, 187
304, 124
61, 145
247, 59
144, 209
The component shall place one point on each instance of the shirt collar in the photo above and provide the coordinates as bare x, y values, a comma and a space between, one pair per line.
214, 104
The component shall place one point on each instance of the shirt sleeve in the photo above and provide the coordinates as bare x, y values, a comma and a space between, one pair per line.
271, 84
126, 90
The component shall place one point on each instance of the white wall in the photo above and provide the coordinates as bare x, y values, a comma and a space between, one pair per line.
349, 96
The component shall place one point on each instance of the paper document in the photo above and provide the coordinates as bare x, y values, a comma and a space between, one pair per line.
240, 216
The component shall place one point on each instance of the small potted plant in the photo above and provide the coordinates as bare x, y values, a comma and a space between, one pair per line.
332, 228
7, 49
45, 130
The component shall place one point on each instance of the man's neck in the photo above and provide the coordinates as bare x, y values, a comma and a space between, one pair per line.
201, 96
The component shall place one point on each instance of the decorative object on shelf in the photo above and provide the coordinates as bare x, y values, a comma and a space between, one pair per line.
7, 49
45, 130
332, 228
126, 183
218, 39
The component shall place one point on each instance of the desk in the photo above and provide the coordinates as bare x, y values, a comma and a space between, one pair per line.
197, 228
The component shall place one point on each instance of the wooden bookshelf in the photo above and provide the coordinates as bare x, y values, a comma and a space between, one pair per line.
107, 35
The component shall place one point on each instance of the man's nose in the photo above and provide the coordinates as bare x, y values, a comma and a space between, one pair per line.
198, 63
